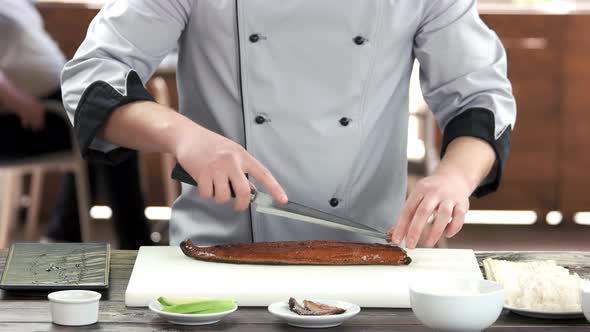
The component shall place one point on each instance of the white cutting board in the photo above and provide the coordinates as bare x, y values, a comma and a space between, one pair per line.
166, 271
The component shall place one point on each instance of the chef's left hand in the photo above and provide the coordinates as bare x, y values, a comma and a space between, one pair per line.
443, 196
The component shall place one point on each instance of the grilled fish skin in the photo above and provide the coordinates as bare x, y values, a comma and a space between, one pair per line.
299, 253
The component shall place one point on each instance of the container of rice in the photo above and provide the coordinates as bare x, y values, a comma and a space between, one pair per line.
536, 285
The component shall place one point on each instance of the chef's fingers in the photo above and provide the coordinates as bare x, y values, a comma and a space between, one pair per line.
205, 186
263, 175
37, 122
458, 220
423, 213
24, 120
241, 187
400, 229
35, 117
443, 216
222, 193
29, 122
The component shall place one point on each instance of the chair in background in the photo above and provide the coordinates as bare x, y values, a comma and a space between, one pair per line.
158, 87
423, 152
14, 172
156, 168
422, 132
427, 163
427, 137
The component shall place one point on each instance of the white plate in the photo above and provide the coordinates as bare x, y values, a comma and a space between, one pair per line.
282, 311
189, 319
545, 314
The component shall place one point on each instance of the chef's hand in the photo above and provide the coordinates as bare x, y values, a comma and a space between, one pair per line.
214, 161
445, 194
211, 159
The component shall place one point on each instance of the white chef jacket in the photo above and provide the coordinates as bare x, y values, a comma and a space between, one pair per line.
315, 90
29, 58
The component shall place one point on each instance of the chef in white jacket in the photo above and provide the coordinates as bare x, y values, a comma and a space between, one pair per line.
309, 98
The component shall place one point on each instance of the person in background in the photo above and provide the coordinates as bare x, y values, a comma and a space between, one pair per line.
30, 67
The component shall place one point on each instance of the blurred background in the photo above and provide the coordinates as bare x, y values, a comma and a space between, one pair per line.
543, 201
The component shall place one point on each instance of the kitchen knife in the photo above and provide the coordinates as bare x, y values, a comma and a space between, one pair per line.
265, 204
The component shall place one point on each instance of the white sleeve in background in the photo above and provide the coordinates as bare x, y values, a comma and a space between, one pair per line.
123, 47
27, 51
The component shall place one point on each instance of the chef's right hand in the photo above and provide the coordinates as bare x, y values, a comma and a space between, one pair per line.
214, 161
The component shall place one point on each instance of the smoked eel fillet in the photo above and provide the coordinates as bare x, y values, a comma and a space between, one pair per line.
311, 308
299, 253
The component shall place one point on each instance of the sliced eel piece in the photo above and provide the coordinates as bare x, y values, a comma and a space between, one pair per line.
298, 309
311, 308
299, 253
322, 309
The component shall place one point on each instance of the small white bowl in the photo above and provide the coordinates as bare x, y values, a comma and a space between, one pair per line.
74, 307
457, 304
585, 298
189, 319
282, 311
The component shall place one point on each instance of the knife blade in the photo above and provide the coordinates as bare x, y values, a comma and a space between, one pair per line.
265, 204
295, 211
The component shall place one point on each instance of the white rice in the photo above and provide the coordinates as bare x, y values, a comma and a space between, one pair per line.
536, 285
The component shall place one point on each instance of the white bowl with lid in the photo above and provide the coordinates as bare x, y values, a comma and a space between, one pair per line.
74, 307
457, 304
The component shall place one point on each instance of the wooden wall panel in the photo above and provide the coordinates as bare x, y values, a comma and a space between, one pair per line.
67, 25
532, 173
575, 170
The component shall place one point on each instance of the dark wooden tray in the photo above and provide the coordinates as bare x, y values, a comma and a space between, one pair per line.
51, 266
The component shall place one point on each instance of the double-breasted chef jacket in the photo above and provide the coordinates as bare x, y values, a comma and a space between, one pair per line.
315, 90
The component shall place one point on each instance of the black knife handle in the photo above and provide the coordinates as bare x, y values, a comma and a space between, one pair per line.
179, 174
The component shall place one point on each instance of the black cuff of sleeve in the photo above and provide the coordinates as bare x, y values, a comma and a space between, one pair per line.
479, 122
98, 102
